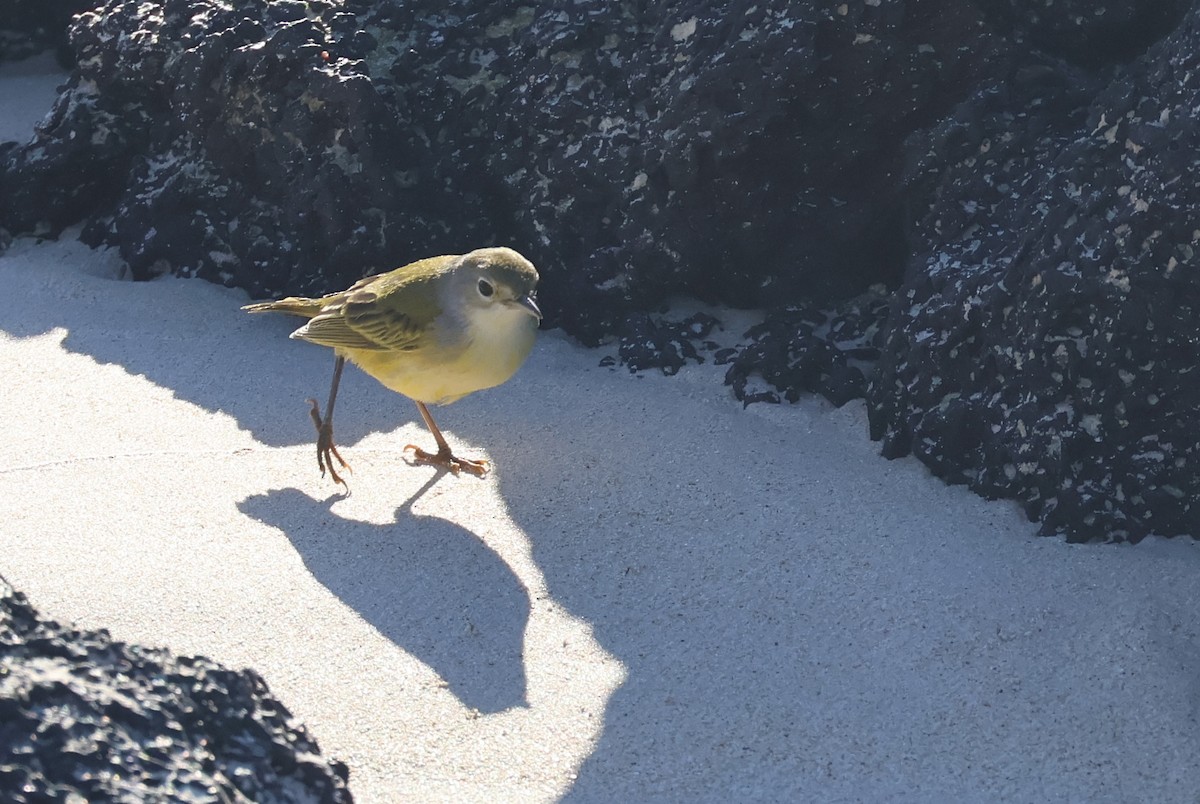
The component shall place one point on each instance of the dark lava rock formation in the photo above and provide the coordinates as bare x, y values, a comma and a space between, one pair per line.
732, 150
84, 718
1044, 345
980, 213
34, 26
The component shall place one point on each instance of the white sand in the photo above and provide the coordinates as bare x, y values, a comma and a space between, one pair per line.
656, 596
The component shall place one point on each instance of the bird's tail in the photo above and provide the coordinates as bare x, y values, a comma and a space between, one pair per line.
292, 305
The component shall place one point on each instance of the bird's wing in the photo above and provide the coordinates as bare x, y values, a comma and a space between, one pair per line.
384, 327
396, 311
385, 312
331, 329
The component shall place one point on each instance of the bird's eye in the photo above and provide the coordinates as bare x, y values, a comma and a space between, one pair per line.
485, 289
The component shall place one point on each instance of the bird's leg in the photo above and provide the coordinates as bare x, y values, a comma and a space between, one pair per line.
326, 451
443, 458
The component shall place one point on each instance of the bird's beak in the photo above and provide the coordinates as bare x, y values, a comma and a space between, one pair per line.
530, 306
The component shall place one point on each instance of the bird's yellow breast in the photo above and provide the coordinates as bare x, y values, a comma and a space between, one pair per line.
442, 370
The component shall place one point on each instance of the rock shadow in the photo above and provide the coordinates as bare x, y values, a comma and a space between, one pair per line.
191, 337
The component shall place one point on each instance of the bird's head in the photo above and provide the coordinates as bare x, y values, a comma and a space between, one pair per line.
497, 280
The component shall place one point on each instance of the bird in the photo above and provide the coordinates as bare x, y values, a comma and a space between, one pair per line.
434, 330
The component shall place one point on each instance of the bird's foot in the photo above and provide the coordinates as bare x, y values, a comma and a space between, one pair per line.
444, 459
326, 451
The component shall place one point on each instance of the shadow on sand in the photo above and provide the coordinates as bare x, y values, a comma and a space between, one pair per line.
428, 585
191, 337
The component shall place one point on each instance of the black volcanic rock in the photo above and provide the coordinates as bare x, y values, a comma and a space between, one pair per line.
85, 718
645, 342
1044, 346
803, 350
1021, 170
1088, 32
730, 150
32, 26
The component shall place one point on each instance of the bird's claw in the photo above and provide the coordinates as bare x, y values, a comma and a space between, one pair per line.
446, 460
326, 451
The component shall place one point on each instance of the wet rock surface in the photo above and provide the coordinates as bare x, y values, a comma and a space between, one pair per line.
85, 718
1017, 175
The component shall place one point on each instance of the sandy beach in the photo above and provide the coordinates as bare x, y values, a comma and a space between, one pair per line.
656, 595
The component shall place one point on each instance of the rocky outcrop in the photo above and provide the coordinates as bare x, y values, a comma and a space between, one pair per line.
993, 198
1044, 344
33, 26
85, 718
1091, 33
731, 150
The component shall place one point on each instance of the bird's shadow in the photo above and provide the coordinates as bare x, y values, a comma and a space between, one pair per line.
430, 586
